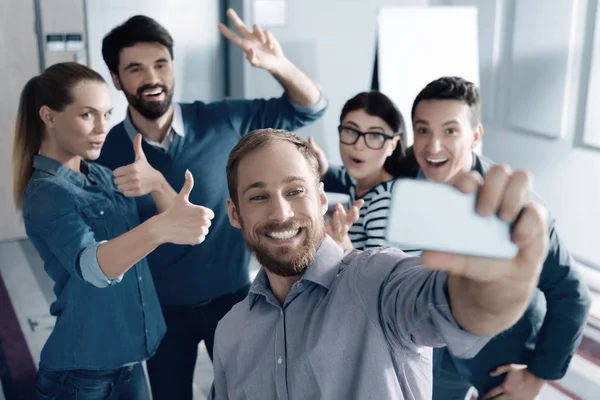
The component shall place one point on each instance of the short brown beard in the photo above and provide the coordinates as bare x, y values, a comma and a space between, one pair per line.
306, 254
150, 110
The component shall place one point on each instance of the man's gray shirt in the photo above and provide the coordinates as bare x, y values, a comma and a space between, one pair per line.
357, 325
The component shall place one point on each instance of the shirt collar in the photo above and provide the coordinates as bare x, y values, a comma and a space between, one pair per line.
53, 167
176, 124
322, 271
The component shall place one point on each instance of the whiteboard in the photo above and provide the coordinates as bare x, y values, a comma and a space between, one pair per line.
417, 45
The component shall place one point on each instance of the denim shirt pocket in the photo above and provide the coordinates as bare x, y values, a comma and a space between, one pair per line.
97, 215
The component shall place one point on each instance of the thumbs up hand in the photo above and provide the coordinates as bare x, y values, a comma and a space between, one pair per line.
138, 178
184, 222
137, 148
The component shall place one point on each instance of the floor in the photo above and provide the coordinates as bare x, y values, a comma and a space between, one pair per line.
30, 292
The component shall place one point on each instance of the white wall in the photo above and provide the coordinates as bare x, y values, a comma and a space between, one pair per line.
425, 54
535, 62
18, 63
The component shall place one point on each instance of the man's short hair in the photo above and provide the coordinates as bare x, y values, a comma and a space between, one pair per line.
452, 88
137, 29
259, 139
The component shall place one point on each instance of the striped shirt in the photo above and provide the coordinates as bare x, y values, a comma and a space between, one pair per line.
371, 227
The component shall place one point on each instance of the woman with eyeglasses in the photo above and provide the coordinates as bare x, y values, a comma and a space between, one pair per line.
372, 146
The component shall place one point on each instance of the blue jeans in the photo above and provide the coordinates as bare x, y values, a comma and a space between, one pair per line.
117, 384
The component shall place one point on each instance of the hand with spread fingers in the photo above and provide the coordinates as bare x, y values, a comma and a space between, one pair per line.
519, 384
490, 295
261, 48
341, 221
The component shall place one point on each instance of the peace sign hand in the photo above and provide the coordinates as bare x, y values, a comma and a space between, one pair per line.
261, 48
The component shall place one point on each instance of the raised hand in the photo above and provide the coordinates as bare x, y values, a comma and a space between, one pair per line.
507, 194
184, 222
138, 178
261, 48
321, 158
341, 221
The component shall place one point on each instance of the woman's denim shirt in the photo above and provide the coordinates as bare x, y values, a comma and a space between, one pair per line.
101, 323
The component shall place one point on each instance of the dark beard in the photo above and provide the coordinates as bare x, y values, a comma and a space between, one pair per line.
151, 110
281, 264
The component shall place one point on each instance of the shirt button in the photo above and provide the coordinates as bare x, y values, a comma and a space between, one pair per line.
101, 212
140, 278
279, 360
300, 285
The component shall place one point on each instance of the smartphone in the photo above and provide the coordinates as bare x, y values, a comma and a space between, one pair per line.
435, 216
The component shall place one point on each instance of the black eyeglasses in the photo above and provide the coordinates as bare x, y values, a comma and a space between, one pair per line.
373, 140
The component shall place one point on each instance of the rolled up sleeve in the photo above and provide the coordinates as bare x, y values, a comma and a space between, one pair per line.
90, 268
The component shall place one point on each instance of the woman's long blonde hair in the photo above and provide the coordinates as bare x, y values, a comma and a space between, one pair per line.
53, 88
